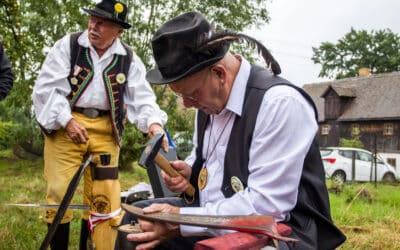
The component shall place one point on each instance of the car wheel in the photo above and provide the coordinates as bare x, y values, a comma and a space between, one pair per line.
389, 178
339, 176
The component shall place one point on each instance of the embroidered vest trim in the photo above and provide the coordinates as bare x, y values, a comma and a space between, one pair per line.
81, 75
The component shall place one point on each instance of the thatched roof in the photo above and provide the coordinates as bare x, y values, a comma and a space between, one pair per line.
374, 97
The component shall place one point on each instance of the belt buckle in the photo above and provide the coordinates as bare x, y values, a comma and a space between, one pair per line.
91, 112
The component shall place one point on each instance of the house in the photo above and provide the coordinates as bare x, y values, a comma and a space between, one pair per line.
364, 107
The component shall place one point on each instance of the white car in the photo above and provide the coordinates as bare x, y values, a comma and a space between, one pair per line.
338, 165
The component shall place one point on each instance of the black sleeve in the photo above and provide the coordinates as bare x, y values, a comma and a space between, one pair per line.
6, 75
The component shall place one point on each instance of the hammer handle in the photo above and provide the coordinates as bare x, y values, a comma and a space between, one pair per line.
164, 164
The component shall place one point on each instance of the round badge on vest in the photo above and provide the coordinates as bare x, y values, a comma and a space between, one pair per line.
74, 81
121, 78
236, 184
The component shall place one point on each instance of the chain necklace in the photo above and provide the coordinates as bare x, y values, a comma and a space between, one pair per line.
202, 179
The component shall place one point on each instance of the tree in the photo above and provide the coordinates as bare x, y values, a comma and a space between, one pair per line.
31, 27
379, 51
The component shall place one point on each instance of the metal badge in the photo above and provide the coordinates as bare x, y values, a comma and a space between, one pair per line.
121, 78
236, 184
74, 81
202, 179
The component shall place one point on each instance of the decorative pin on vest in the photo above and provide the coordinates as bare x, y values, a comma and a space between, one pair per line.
77, 70
121, 78
236, 184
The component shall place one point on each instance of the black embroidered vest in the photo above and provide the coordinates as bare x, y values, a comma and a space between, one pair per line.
310, 219
114, 80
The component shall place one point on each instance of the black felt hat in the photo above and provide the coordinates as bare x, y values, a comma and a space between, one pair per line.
111, 10
176, 48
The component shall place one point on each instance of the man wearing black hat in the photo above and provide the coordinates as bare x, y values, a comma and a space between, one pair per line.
6, 75
255, 148
89, 84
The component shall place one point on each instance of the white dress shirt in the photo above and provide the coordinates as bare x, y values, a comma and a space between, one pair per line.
52, 108
284, 130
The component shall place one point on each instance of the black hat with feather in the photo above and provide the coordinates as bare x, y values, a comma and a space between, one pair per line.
187, 44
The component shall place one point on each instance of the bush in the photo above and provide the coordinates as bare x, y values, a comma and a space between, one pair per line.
355, 142
132, 142
5, 134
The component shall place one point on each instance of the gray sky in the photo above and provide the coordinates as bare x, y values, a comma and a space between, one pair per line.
298, 25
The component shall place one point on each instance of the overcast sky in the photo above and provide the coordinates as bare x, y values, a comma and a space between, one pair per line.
298, 25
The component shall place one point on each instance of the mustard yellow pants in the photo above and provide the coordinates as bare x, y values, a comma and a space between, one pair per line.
63, 158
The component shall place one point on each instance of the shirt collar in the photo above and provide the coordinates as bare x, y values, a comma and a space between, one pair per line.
236, 98
115, 48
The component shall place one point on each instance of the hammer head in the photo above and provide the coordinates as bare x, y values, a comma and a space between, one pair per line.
151, 149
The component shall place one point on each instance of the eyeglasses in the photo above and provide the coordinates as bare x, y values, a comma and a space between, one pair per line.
195, 93
192, 97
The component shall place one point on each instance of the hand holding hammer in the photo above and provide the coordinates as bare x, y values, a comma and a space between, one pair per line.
151, 154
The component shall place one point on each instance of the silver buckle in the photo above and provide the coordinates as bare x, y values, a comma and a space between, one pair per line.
91, 112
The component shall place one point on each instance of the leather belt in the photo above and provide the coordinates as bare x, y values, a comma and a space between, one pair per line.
91, 112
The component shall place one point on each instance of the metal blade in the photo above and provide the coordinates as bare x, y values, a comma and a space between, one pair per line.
65, 203
79, 207
260, 224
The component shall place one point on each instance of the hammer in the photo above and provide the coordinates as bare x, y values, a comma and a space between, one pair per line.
151, 153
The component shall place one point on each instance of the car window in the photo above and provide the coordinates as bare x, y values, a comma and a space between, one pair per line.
325, 152
346, 153
363, 156
379, 160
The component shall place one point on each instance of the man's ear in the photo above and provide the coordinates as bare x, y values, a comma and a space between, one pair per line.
220, 71
120, 31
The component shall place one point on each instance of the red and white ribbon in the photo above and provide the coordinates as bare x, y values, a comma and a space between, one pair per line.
96, 218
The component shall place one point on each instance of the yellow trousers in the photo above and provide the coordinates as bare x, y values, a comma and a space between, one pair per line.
63, 158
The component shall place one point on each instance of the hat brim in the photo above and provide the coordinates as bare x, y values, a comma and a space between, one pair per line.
154, 76
93, 12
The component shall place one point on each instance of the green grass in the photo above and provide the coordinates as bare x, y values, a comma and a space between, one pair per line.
370, 219
22, 182
369, 215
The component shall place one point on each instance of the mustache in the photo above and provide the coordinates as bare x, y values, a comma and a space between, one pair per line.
92, 32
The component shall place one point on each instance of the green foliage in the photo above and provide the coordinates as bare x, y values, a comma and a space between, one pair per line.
5, 131
132, 141
375, 50
355, 142
22, 132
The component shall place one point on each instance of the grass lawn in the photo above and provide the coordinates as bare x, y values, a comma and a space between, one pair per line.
368, 215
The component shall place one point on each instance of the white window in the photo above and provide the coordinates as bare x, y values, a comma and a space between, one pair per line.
388, 129
325, 129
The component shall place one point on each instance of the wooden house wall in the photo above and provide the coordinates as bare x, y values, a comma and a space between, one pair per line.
371, 133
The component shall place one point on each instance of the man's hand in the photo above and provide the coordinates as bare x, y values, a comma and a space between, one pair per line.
180, 183
77, 132
155, 232
156, 128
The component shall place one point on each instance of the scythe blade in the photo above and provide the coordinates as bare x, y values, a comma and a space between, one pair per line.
38, 205
65, 203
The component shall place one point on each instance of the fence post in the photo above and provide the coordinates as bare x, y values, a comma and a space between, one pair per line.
353, 166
